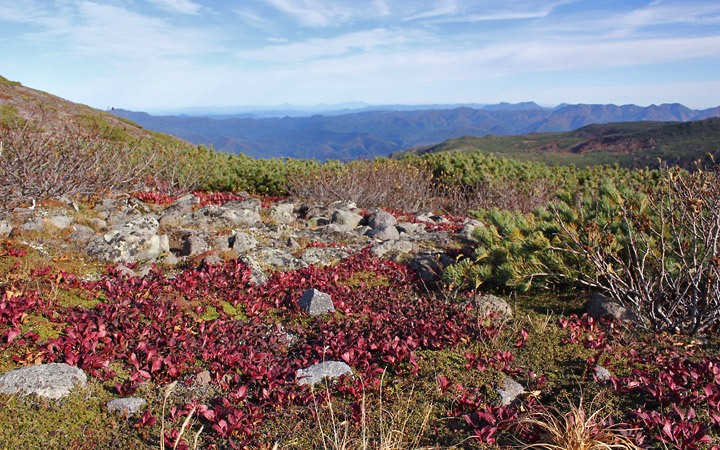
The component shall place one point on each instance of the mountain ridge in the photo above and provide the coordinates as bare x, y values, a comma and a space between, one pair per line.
368, 134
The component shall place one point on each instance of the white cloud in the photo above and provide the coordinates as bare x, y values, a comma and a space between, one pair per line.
179, 6
323, 48
330, 13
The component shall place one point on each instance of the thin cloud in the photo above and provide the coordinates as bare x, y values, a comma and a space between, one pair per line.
179, 6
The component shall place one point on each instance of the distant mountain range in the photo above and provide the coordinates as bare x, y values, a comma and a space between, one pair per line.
371, 133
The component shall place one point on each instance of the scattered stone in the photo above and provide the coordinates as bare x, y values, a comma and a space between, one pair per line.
59, 222
429, 266
125, 271
601, 373
493, 304
194, 245
126, 407
97, 223
314, 374
54, 380
5, 228
509, 391
393, 249
34, 224
600, 306
381, 218
257, 276
135, 241
282, 213
410, 228
203, 378
384, 232
81, 234
323, 256
211, 260
242, 242
346, 219
250, 204
315, 302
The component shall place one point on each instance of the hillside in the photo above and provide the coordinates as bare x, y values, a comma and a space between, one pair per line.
20, 104
378, 133
630, 144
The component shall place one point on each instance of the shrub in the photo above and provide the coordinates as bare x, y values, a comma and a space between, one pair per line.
655, 251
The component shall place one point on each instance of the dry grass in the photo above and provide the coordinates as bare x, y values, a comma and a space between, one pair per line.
397, 427
577, 429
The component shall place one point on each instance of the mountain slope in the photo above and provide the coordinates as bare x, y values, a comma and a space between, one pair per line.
46, 112
377, 133
630, 144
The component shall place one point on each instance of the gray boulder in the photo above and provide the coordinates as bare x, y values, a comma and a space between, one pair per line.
242, 242
5, 228
601, 373
283, 213
314, 374
323, 256
194, 245
250, 204
133, 242
509, 390
81, 234
59, 222
410, 228
257, 276
600, 306
384, 232
126, 407
429, 266
346, 219
381, 218
393, 249
493, 304
315, 302
54, 380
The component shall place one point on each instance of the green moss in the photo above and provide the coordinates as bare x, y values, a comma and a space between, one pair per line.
366, 279
43, 327
79, 420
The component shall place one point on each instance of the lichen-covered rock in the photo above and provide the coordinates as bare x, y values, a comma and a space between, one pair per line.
490, 303
601, 373
384, 232
5, 228
136, 241
599, 306
509, 390
393, 249
323, 256
126, 407
315, 302
242, 242
347, 220
54, 380
314, 374
283, 213
381, 218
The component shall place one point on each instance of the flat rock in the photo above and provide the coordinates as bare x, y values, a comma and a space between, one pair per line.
315, 302
59, 221
314, 374
600, 306
493, 304
54, 380
384, 232
509, 390
126, 407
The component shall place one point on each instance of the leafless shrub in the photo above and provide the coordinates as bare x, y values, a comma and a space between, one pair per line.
35, 165
387, 183
658, 253
503, 194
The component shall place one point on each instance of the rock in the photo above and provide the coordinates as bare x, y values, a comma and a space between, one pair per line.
125, 271
381, 218
490, 303
33, 224
97, 223
242, 242
203, 378
314, 374
59, 222
211, 260
81, 234
170, 259
257, 276
315, 302
347, 220
282, 260
342, 204
126, 407
133, 242
250, 204
54, 380
323, 256
283, 213
509, 391
601, 373
384, 232
5, 228
394, 249
410, 228
194, 245
429, 266
600, 306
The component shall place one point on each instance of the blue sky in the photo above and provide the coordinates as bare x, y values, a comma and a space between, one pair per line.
162, 55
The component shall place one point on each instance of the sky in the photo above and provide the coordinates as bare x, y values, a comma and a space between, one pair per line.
172, 55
